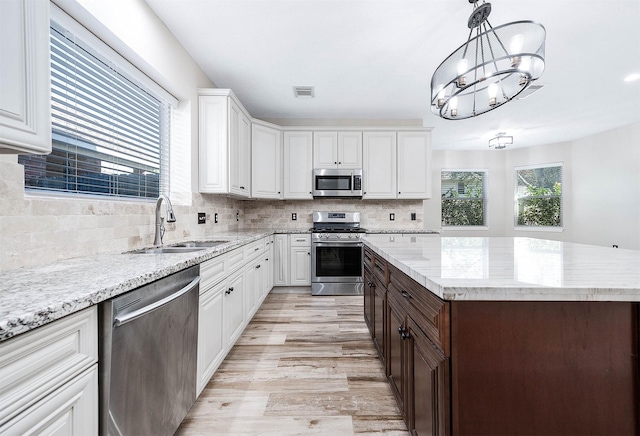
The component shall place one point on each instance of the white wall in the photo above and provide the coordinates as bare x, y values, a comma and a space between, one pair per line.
601, 188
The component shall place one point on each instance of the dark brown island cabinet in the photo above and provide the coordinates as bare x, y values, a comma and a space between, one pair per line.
503, 367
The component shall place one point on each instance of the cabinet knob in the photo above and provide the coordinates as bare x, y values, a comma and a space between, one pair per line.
339, 163
335, 162
405, 336
257, 266
278, 192
228, 291
241, 187
405, 294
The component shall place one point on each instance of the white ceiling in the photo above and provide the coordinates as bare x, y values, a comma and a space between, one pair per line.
373, 59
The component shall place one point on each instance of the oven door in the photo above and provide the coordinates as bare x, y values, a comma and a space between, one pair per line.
336, 262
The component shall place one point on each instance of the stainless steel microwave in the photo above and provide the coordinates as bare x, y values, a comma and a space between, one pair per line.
337, 183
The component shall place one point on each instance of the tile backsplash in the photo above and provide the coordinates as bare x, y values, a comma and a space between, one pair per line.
36, 229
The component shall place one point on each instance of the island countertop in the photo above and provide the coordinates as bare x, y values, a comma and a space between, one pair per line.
512, 268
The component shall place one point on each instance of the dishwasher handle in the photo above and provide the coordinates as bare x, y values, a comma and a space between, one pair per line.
154, 306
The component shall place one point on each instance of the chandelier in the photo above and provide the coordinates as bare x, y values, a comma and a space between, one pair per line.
490, 69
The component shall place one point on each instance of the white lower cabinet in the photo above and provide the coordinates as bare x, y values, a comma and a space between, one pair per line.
49, 381
70, 410
233, 308
232, 288
281, 260
292, 255
211, 348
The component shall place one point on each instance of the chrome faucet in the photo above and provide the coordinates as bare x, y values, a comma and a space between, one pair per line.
171, 218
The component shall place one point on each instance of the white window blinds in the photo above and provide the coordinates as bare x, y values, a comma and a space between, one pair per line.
110, 133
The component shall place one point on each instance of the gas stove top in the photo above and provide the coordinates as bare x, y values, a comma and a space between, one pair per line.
338, 230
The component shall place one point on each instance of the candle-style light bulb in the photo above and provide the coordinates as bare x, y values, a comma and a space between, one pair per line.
492, 90
515, 47
462, 67
453, 106
441, 97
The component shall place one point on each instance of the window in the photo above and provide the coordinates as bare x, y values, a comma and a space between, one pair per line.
110, 132
463, 198
539, 196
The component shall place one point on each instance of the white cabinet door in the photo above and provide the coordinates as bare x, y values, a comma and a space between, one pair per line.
281, 260
233, 303
266, 156
239, 150
337, 150
25, 105
70, 410
379, 165
414, 160
269, 265
211, 350
298, 165
325, 149
300, 266
224, 144
250, 294
350, 150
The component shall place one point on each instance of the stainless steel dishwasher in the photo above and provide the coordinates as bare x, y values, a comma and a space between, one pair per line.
147, 357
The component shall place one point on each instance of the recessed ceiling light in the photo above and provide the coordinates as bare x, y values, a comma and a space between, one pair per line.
632, 77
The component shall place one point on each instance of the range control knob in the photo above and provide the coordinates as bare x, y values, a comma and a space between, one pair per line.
338, 236
350, 236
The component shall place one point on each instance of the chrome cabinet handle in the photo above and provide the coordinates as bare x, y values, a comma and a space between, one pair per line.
154, 306
405, 294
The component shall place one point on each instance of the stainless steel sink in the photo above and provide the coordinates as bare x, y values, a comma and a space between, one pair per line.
167, 250
203, 244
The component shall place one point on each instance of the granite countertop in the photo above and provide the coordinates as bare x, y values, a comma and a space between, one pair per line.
512, 269
34, 296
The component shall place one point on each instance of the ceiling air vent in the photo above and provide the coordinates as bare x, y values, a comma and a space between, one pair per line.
303, 91
530, 90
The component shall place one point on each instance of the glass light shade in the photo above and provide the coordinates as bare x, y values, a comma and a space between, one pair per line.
491, 61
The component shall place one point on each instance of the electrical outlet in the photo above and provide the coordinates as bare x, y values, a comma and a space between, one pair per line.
392, 217
215, 218
294, 216
413, 216
202, 218
237, 216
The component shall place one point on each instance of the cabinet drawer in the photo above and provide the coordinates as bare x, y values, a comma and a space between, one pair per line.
211, 272
368, 257
303, 240
429, 312
36, 363
253, 249
381, 269
235, 259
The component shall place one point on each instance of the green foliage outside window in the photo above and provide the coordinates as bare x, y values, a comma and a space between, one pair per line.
463, 202
539, 197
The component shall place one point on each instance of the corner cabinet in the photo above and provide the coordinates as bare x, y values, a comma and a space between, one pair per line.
266, 162
224, 144
25, 106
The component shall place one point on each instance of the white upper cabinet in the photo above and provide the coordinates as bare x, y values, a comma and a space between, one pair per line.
325, 149
350, 150
298, 165
414, 161
224, 144
266, 162
25, 107
337, 150
379, 165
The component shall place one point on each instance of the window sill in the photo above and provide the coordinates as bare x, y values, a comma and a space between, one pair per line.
465, 228
539, 229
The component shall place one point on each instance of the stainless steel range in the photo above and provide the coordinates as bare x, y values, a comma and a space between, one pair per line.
336, 254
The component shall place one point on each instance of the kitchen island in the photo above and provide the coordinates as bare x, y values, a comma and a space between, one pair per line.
506, 335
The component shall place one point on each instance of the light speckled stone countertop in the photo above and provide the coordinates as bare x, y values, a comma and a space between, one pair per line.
32, 297
512, 269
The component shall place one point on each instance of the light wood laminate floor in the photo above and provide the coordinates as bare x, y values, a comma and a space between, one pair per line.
304, 366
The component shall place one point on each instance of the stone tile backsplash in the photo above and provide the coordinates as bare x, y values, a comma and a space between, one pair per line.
37, 229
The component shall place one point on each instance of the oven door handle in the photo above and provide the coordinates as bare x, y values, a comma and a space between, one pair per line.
337, 243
